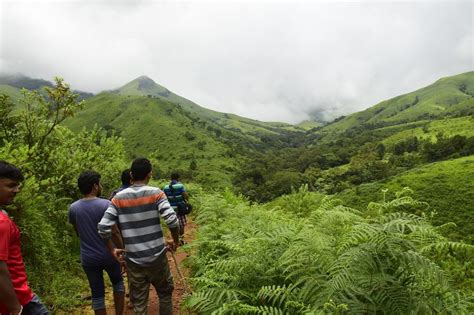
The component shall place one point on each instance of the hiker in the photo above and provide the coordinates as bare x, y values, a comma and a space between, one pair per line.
126, 182
84, 215
137, 210
16, 296
177, 197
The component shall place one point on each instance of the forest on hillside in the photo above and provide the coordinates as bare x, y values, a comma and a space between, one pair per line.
309, 224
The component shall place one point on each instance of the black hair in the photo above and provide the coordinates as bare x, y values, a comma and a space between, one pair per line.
10, 171
126, 178
141, 167
174, 175
86, 181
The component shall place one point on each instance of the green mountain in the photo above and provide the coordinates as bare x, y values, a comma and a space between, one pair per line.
158, 129
11, 84
438, 184
144, 86
178, 133
20, 81
448, 97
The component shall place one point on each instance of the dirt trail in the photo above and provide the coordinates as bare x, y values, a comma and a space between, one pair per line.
179, 290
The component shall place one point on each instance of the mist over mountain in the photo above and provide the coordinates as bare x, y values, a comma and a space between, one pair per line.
22, 81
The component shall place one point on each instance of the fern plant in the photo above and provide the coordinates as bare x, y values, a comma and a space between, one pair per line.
264, 259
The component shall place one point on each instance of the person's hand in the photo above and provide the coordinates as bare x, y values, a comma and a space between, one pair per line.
123, 269
118, 254
18, 310
171, 245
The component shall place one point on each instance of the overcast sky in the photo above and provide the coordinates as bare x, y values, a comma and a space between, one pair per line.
268, 60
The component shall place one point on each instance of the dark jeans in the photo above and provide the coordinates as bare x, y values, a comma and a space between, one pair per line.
35, 307
96, 281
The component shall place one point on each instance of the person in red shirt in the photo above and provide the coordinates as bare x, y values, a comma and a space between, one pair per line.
16, 296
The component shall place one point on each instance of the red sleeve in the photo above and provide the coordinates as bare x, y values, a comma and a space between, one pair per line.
5, 234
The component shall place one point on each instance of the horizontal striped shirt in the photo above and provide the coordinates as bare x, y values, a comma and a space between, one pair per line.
137, 210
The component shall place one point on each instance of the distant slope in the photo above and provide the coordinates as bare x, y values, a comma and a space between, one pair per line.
162, 130
448, 97
20, 81
309, 124
175, 131
426, 129
447, 186
145, 86
12, 92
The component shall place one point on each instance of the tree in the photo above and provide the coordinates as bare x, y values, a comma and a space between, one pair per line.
7, 120
44, 113
380, 151
189, 136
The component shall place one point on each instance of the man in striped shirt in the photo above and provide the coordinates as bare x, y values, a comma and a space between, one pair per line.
137, 210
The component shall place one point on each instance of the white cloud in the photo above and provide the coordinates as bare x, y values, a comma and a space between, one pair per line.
269, 60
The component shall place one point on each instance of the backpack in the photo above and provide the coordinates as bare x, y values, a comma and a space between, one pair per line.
184, 207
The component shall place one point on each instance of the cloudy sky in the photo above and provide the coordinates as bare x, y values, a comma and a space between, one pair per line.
268, 60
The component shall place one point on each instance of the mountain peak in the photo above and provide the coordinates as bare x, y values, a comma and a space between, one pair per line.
144, 78
143, 85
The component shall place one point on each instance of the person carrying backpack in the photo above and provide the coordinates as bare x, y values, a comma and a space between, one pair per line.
178, 198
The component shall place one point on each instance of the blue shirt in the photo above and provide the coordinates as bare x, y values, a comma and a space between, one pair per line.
177, 197
86, 215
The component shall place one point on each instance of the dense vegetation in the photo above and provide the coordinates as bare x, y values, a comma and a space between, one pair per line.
51, 158
308, 254
283, 246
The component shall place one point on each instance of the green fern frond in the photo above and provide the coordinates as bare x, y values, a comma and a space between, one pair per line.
404, 192
359, 233
274, 295
329, 203
447, 246
271, 310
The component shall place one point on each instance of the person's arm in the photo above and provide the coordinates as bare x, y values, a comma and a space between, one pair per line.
75, 229
185, 196
171, 220
105, 226
7, 293
72, 220
117, 237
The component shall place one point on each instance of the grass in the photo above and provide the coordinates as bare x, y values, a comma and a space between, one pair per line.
463, 126
444, 97
447, 186
161, 131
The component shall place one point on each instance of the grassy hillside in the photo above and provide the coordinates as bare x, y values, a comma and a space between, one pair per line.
463, 126
446, 186
145, 86
12, 84
447, 97
309, 124
20, 81
178, 133
160, 129
13, 92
